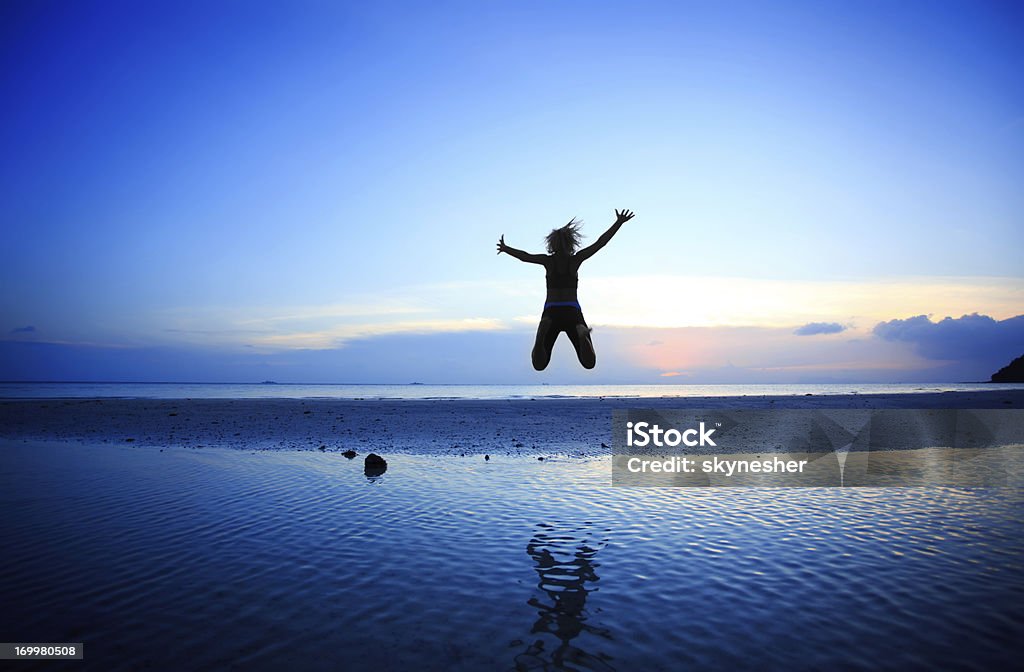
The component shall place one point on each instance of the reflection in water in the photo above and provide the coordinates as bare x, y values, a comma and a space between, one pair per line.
565, 566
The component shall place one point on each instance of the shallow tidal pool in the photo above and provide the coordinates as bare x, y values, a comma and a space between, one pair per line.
215, 559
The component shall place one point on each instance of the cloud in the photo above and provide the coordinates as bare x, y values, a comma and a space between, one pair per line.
682, 301
655, 302
474, 357
765, 355
903, 350
815, 328
969, 337
24, 330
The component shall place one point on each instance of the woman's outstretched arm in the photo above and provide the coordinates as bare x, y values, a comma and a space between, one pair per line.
621, 217
519, 254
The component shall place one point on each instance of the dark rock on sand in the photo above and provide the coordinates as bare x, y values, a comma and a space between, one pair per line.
1011, 373
374, 465
349, 454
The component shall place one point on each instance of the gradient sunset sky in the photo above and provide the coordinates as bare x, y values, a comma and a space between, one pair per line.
311, 191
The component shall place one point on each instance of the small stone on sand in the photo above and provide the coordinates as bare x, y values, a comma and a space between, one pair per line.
374, 465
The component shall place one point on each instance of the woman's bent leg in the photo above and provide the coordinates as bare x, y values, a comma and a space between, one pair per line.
585, 346
579, 334
542, 346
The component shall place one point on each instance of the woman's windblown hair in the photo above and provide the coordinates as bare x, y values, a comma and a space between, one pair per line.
565, 240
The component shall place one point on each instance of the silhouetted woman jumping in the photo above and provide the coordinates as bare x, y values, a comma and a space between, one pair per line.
562, 310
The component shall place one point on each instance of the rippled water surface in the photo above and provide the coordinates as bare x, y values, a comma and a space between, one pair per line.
191, 559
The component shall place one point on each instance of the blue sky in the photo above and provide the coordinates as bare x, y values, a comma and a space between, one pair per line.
312, 191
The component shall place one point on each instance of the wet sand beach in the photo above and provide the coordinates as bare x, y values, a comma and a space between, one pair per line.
221, 537
572, 427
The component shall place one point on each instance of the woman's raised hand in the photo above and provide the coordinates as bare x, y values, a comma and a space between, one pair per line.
623, 216
501, 244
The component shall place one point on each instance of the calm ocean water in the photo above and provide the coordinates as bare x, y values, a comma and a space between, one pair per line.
421, 391
220, 559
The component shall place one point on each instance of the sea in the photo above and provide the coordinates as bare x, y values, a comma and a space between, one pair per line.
274, 390
190, 558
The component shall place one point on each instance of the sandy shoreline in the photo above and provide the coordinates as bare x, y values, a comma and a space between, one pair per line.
572, 427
